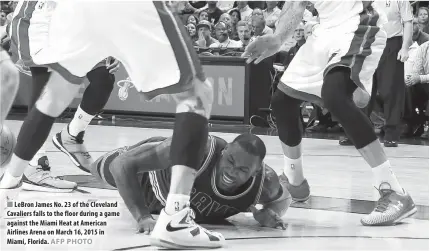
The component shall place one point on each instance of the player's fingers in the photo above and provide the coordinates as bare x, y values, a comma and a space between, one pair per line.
281, 225
263, 56
253, 209
252, 58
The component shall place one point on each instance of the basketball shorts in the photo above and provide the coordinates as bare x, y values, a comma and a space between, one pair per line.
71, 38
357, 44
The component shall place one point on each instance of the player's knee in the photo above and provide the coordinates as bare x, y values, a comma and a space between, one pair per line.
197, 100
54, 100
101, 80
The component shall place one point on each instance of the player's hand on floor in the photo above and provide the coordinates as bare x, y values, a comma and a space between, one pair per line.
146, 225
268, 218
261, 48
113, 66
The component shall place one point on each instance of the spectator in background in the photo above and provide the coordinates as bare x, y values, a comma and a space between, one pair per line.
245, 10
191, 19
214, 12
244, 33
221, 31
203, 16
271, 13
299, 36
204, 33
232, 33
3, 18
418, 35
12, 6
257, 12
192, 31
419, 80
259, 27
235, 18
423, 18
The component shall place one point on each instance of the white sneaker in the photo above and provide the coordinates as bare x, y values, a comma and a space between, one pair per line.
74, 148
39, 178
8, 195
179, 231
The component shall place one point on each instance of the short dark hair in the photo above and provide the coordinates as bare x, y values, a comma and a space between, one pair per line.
252, 144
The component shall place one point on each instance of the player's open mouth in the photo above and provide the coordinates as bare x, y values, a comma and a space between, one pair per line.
227, 179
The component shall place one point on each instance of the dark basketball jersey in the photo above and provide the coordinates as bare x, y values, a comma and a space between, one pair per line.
206, 201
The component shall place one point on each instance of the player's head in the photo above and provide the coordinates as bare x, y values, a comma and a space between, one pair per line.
241, 160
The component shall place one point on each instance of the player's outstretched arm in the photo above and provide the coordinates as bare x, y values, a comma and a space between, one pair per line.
144, 157
265, 46
275, 200
290, 17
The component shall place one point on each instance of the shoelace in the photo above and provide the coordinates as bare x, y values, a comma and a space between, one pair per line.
46, 174
383, 202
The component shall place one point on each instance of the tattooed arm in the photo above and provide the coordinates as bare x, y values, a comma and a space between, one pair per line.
290, 17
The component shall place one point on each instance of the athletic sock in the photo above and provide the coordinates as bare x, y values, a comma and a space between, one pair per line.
79, 122
384, 178
293, 169
176, 202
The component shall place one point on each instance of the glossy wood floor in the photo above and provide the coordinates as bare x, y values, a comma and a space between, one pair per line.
341, 186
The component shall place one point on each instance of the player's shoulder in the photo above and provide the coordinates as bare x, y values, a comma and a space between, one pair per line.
271, 186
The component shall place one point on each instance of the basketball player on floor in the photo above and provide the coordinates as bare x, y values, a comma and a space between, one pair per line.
232, 178
338, 59
37, 176
71, 38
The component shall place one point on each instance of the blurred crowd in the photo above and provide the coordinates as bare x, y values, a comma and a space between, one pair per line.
216, 26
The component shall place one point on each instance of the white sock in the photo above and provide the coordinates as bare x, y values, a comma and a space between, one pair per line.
176, 202
34, 161
293, 169
79, 122
384, 174
9, 181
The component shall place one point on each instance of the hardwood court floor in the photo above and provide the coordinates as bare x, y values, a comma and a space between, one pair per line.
341, 187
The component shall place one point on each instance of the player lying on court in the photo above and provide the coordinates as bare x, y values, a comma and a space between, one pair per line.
232, 178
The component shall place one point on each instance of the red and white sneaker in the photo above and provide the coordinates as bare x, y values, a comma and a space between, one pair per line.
179, 231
